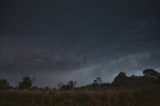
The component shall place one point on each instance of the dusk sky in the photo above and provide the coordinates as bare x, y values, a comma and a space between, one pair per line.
61, 40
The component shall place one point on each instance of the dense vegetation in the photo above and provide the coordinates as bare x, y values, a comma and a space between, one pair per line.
123, 91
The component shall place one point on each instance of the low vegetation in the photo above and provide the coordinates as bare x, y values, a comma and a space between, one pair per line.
123, 91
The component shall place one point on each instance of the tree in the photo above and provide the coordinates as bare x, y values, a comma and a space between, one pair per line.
151, 73
120, 79
4, 84
69, 85
120, 76
26, 83
96, 83
98, 80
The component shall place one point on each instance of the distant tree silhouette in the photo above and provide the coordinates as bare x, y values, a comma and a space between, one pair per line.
120, 79
69, 85
151, 73
26, 83
4, 84
150, 77
98, 80
96, 83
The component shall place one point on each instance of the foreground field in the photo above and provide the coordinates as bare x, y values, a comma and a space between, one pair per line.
100, 97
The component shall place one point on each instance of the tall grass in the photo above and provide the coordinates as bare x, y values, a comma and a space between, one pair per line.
146, 96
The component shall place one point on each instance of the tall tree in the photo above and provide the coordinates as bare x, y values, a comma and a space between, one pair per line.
26, 83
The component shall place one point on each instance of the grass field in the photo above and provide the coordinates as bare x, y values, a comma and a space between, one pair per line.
146, 96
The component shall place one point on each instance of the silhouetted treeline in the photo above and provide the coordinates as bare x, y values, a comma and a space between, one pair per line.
150, 76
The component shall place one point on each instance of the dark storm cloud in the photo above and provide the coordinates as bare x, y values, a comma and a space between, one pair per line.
57, 41
69, 17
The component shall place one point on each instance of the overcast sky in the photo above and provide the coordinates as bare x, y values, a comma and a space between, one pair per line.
61, 40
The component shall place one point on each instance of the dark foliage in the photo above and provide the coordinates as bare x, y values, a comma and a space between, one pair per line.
68, 86
136, 91
4, 84
26, 83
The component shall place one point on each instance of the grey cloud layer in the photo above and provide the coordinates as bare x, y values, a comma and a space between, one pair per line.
80, 40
